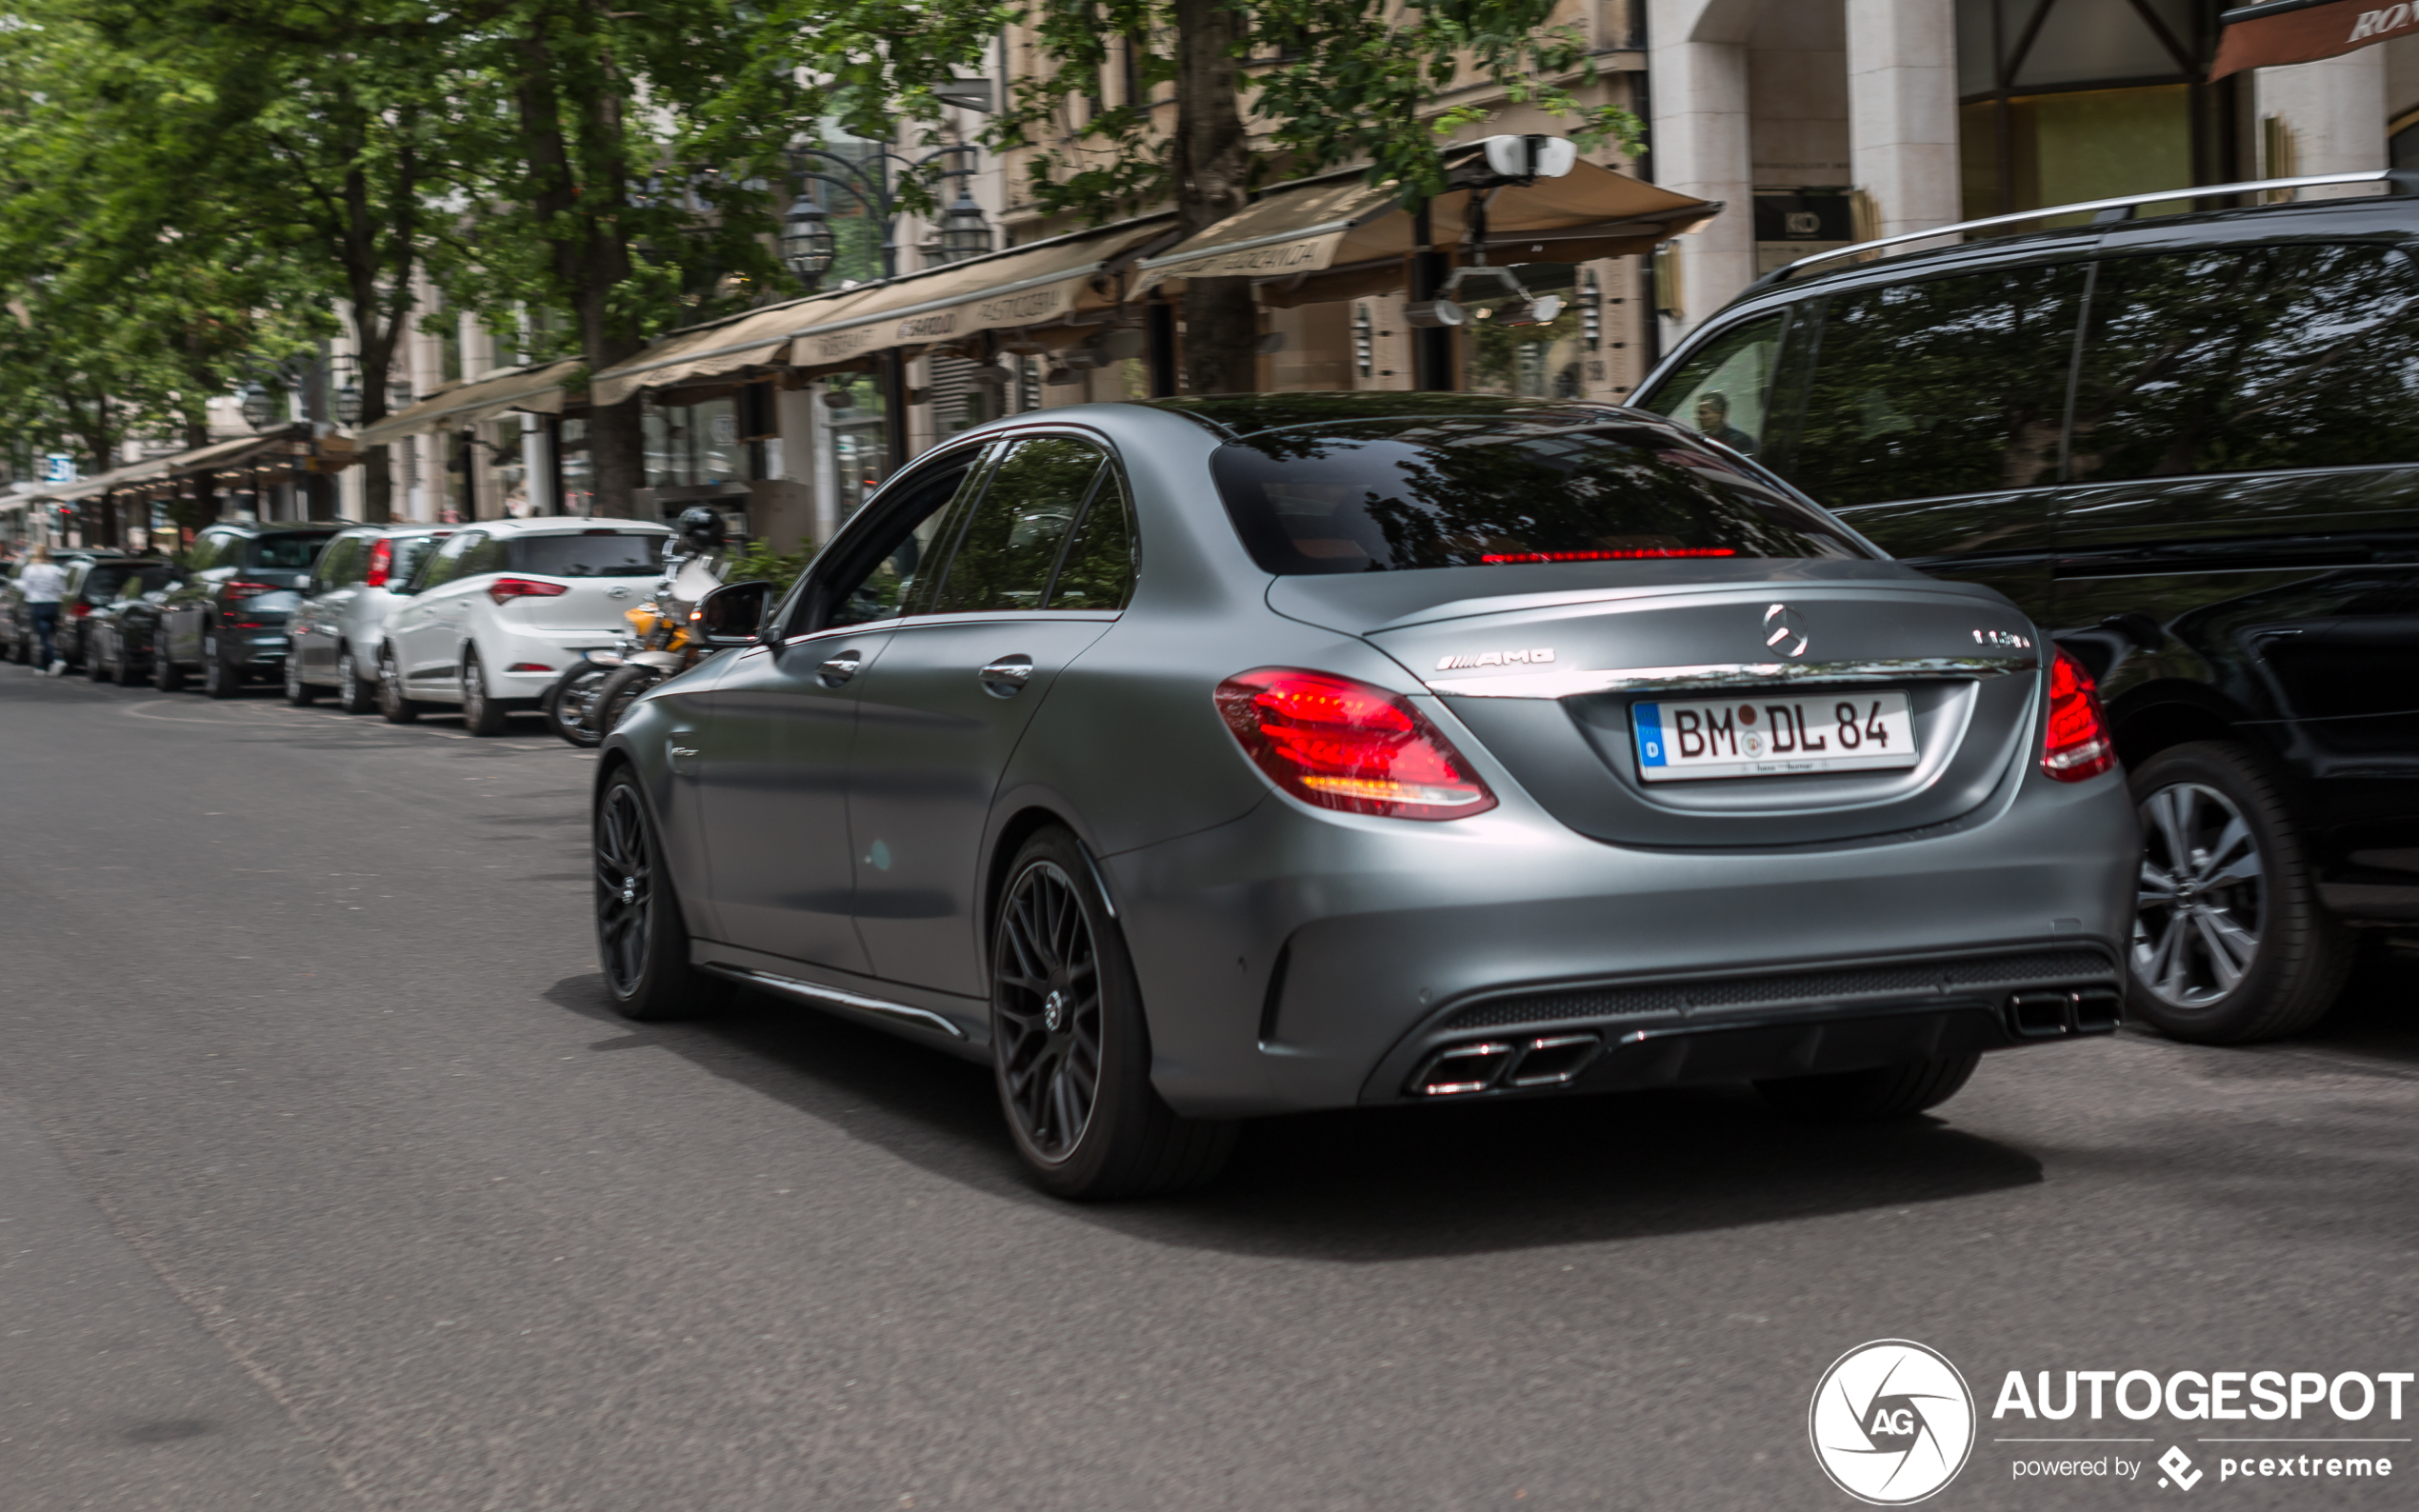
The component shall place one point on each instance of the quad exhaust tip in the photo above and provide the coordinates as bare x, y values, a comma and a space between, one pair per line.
2049, 1013
1550, 1060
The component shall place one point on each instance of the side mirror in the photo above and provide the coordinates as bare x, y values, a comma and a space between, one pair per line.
734, 615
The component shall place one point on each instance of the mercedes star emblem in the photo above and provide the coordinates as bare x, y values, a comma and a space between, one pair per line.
1784, 631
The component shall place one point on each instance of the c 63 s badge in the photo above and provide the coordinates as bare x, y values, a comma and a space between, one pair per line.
1892, 1421
1537, 657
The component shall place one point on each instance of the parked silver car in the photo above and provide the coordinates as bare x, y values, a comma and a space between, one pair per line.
1209, 757
334, 639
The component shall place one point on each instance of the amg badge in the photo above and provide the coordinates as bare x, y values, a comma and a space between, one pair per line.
1534, 658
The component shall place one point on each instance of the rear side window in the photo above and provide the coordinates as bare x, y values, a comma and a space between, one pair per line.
1943, 387
105, 580
287, 549
1012, 539
1098, 572
446, 565
1723, 389
1392, 496
209, 552
586, 554
2231, 360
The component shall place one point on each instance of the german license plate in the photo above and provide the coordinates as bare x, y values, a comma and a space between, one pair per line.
1768, 737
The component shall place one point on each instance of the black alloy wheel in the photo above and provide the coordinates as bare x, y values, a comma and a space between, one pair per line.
353, 695
220, 678
391, 702
482, 714
2231, 942
570, 703
641, 940
1069, 1048
299, 693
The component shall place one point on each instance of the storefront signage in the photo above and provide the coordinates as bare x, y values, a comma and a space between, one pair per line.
2283, 32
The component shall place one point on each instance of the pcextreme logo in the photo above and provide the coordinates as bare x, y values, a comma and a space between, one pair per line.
1892, 1421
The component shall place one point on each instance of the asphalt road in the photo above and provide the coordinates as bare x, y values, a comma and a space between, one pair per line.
327, 1181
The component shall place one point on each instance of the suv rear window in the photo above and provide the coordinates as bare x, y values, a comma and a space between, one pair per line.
288, 548
591, 554
1395, 495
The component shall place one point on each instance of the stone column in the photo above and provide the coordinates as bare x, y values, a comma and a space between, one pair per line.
1697, 64
2333, 115
1902, 110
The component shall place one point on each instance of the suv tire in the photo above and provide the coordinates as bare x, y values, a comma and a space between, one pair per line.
353, 695
480, 714
1071, 1051
642, 940
166, 675
299, 693
2231, 942
220, 678
391, 702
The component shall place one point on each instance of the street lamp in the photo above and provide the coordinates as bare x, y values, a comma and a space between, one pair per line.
963, 231
259, 406
807, 244
348, 404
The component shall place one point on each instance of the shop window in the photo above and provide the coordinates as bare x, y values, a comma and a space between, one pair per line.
574, 467
694, 444
860, 446
1943, 387
2224, 362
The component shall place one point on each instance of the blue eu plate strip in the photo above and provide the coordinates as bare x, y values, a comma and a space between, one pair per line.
1648, 721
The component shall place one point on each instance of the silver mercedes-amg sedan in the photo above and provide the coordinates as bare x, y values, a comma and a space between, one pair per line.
1202, 758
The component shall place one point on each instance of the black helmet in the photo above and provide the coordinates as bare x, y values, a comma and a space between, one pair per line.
700, 528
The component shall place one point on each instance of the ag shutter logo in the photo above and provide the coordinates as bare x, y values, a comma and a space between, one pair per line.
1892, 1421
2178, 1466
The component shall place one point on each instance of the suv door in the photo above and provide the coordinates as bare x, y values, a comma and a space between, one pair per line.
1041, 569
770, 764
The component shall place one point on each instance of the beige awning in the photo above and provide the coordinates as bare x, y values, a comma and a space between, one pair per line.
537, 388
1340, 238
752, 339
1031, 285
101, 482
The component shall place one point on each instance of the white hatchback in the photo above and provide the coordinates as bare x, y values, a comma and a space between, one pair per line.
492, 617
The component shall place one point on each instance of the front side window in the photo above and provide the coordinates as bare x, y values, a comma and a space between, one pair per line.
1943, 387
1012, 537
1573, 485
885, 577
2232, 361
1723, 388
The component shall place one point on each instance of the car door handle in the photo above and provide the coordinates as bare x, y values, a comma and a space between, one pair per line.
839, 669
1007, 677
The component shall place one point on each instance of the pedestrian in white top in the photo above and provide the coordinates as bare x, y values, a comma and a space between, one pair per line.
41, 585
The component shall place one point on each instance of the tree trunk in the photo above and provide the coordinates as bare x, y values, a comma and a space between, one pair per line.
1214, 165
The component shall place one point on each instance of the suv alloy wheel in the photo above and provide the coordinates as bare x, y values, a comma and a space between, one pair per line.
391, 702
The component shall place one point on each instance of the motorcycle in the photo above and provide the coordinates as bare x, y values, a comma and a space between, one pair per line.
590, 697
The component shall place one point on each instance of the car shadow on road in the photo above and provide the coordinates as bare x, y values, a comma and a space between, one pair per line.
1367, 1185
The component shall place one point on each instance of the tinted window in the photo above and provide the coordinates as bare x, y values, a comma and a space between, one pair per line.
1098, 572
409, 553
1721, 391
881, 579
2221, 362
1949, 386
102, 584
483, 554
446, 565
340, 563
1396, 494
288, 550
209, 552
588, 554
1010, 549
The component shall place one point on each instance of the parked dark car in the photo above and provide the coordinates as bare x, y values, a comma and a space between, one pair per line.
92, 584
226, 618
118, 635
16, 631
2191, 442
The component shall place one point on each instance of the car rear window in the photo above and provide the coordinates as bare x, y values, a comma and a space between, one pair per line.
107, 578
591, 554
288, 548
1396, 496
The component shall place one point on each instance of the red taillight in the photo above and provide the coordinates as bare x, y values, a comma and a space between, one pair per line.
2078, 744
382, 564
505, 590
1347, 745
77, 611
251, 590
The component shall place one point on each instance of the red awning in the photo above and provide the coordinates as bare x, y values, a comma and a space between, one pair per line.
2281, 32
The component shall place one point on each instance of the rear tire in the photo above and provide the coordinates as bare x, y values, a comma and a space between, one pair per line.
220, 678
571, 702
299, 693
353, 695
1871, 1096
97, 668
620, 691
480, 714
166, 675
2231, 942
1071, 1051
392, 704
641, 940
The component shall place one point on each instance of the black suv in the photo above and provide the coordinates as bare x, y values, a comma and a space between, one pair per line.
227, 619
2187, 444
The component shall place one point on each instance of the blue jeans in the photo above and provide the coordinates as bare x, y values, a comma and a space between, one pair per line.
46, 620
